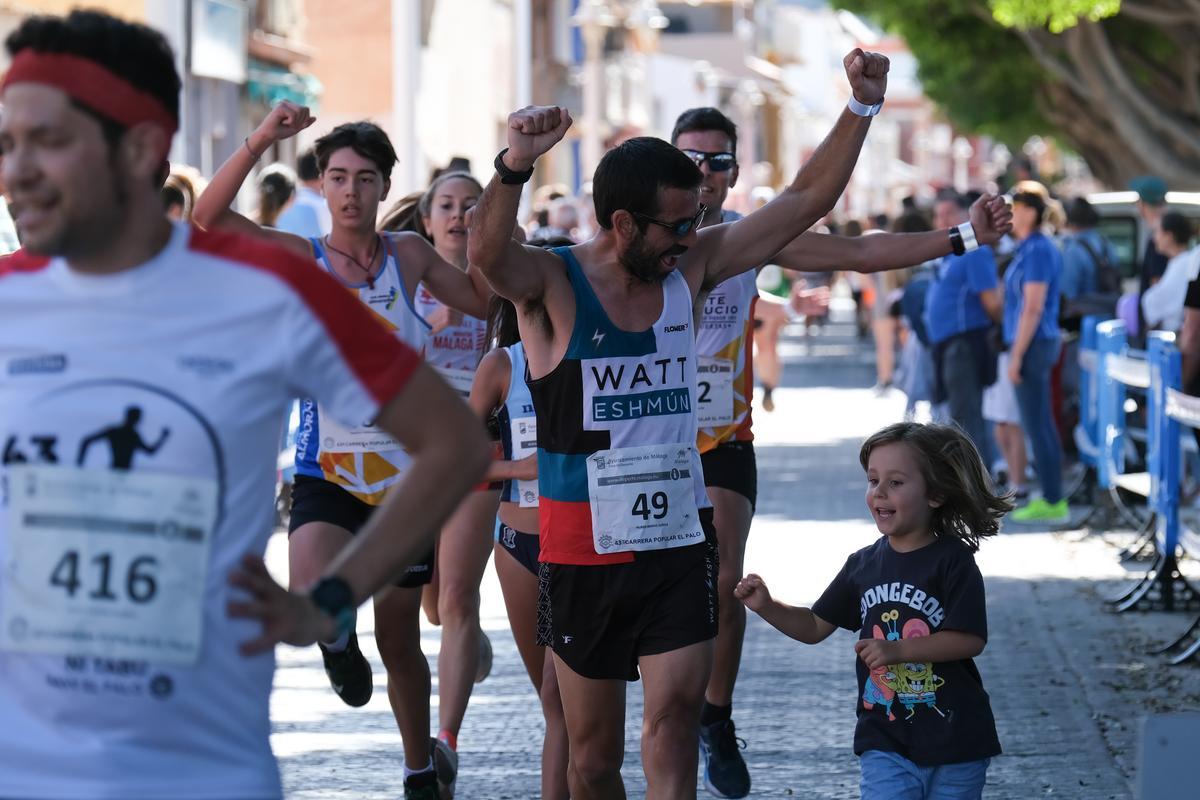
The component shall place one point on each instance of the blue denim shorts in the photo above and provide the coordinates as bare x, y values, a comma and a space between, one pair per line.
891, 776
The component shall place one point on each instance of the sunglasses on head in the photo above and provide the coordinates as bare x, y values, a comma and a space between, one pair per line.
678, 229
717, 162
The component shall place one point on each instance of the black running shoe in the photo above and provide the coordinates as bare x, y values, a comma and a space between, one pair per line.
349, 673
725, 773
422, 786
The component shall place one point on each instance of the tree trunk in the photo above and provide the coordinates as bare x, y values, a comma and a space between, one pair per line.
1114, 106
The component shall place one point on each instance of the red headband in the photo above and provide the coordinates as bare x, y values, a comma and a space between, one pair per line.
90, 85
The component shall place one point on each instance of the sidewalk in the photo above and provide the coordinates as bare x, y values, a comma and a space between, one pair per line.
1067, 681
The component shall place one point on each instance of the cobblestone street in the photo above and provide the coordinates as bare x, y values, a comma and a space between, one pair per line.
1067, 680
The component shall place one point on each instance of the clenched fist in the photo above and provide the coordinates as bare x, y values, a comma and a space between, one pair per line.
285, 121
532, 131
991, 217
868, 75
753, 592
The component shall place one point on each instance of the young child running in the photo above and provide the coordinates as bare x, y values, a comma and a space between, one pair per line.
925, 729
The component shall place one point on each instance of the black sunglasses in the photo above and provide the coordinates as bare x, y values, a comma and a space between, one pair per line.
678, 229
717, 162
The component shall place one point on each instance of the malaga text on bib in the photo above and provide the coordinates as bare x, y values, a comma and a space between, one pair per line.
524, 444
111, 564
643, 498
714, 386
338, 438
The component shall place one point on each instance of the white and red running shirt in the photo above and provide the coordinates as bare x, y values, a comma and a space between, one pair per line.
140, 416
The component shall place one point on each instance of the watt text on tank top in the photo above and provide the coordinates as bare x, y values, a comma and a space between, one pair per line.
453, 351
723, 344
353, 454
618, 469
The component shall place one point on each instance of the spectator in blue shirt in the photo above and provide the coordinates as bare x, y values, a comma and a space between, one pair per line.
1031, 300
960, 307
1083, 249
308, 215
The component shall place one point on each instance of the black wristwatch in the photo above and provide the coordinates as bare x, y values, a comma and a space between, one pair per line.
956, 242
509, 176
334, 597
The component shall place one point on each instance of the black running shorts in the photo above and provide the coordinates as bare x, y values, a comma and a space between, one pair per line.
524, 547
318, 500
601, 619
732, 466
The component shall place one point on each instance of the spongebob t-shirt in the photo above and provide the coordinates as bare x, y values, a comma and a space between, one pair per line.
929, 713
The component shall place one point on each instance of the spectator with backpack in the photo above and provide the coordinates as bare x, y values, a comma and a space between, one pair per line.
1089, 259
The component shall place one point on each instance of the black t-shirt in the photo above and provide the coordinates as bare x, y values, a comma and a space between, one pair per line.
1192, 298
931, 714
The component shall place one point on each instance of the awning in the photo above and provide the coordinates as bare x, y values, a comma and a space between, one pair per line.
269, 84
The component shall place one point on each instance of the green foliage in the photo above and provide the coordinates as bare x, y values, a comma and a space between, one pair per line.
1057, 15
980, 74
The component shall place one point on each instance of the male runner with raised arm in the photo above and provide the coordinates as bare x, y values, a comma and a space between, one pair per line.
629, 576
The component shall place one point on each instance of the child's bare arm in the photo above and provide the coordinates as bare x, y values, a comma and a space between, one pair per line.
799, 623
938, 648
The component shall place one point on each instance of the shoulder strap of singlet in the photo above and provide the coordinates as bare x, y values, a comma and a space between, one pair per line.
409, 299
588, 311
319, 252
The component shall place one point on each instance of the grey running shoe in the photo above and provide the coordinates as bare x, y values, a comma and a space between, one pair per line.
485, 658
445, 763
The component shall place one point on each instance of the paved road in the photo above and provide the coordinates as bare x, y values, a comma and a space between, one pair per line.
1067, 682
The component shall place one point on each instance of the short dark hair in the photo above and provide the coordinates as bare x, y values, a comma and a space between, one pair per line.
1032, 200
954, 474
631, 174
1082, 214
135, 53
306, 166
365, 138
705, 118
1179, 226
952, 196
911, 221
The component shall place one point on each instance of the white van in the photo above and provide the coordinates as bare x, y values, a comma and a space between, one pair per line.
1121, 223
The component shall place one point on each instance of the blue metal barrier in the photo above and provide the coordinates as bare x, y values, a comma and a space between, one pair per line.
1177, 410
1163, 587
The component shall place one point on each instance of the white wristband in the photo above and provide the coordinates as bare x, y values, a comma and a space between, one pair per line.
862, 109
968, 236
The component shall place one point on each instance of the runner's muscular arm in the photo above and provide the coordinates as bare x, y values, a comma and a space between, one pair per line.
514, 271
820, 252
213, 206
449, 453
463, 291
723, 251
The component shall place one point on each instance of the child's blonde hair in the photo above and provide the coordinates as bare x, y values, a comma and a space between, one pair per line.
954, 474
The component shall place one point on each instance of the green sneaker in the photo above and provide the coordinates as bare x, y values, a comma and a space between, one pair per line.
1041, 511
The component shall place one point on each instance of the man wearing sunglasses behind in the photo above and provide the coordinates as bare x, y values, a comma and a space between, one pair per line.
726, 386
628, 583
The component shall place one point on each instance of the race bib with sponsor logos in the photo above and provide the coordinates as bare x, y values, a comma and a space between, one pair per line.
643, 498
106, 563
714, 392
524, 444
